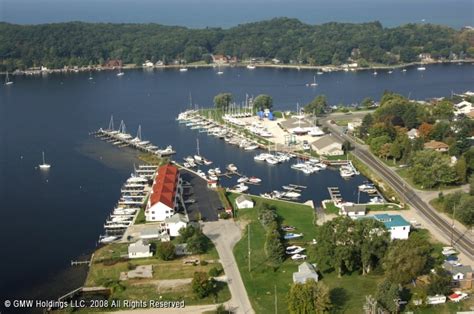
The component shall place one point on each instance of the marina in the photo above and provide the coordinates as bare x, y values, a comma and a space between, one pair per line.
84, 183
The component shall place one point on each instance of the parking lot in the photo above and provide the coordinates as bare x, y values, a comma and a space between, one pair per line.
207, 201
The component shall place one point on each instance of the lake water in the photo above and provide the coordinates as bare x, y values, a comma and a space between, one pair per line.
47, 219
227, 13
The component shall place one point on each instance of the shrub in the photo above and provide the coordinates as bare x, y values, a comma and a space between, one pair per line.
215, 272
166, 251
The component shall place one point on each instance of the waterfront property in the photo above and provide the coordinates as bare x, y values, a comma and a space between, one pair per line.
398, 227
244, 201
305, 272
166, 194
327, 145
139, 250
353, 210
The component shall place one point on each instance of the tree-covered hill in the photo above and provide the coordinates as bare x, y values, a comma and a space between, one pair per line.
289, 40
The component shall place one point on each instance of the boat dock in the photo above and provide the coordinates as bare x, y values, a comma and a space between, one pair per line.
335, 194
121, 139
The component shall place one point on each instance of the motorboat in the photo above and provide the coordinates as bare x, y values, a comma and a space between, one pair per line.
242, 179
251, 67
184, 69
231, 167
255, 180
298, 257
108, 239
421, 68
240, 188
291, 235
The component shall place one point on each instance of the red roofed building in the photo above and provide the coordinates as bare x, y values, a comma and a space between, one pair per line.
166, 193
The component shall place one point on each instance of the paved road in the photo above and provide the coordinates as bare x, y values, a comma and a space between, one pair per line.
207, 201
462, 240
225, 234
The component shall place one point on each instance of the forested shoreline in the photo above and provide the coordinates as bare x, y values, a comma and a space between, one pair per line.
288, 40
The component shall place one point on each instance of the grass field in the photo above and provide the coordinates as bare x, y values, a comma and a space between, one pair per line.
347, 293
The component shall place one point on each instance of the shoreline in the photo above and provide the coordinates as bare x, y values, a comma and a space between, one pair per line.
324, 68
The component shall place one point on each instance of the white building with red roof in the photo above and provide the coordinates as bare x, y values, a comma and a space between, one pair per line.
166, 194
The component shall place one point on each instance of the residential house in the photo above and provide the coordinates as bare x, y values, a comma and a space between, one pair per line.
464, 107
139, 250
175, 223
353, 210
413, 134
398, 227
243, 201
327, 145
166, 194
113, 63
425, 57
219, 59
148, 64
462, 275
305, 272
437, 146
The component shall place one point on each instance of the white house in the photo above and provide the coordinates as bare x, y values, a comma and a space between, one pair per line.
305, 271
464, 107
175, 223
166, 194
327, 145
353, 210
243, 201
458, 272
398, 227
139, 250
148, 64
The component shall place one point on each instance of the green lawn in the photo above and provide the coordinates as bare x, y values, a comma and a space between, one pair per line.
347, 293
331, 208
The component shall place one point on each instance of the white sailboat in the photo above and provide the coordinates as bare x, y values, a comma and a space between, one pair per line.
44, 165
120, 73
198, 156
7, 80
313, 84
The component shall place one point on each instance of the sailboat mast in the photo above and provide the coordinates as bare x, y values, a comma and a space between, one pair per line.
43, 158
197, 146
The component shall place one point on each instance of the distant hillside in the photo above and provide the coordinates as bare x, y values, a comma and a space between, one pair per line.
289, 40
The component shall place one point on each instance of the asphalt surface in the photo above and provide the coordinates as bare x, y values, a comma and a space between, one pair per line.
207, 201
461, 240
225, 234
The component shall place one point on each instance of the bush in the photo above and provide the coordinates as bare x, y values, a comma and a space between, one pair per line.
204, 263
202, 285
166, 251
198, 243
215, 272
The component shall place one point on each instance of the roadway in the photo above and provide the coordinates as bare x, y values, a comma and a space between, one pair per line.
462, 240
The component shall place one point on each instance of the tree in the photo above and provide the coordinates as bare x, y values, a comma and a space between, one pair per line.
372, 240
186, 233
465, 212
377, 143
346, 146
274, 248
198, 243
388, 295
263, 102
471, 184
431, 168
202, 285
425, 130
461, 169
308, 298
317, 106
223, 100
443, 110
406, 259
166, 251
395, 151
366, 124
440, 282
367, 102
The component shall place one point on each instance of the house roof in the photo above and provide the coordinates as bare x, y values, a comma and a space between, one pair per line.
324, 141
392, 220
292, 123
165, 186
457, 269
242, 198
139, 247
177, 218
354, 207
150, 231
305, 271
436, 145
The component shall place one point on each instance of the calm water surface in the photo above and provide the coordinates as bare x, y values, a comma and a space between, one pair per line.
47, 219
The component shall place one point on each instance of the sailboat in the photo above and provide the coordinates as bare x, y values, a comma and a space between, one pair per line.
44, 165
197, 157
120, 73
7, 80
90, 76
313, 84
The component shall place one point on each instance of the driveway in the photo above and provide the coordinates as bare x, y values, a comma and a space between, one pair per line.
207, 201
225, 234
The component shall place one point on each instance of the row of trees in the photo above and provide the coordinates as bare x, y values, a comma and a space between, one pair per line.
459, 204
224, 100
274, 249
289, 40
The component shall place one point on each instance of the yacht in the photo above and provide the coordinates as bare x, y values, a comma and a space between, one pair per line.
251, 147
44, 165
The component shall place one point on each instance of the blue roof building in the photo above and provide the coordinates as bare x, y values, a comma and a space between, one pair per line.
398, 227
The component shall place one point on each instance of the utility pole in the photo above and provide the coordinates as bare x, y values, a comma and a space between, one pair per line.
276, 300
248, 245
452, 226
